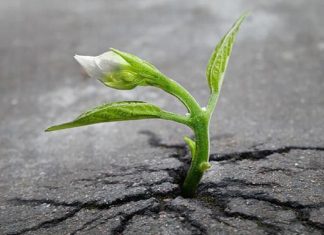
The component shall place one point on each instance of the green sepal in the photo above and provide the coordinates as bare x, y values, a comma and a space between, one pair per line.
141, 66
124, 79
144, 70
219, 59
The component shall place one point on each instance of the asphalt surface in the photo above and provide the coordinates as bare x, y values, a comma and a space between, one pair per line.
123, 178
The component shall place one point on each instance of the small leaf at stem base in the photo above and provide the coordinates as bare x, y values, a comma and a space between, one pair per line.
192, 145
204, 166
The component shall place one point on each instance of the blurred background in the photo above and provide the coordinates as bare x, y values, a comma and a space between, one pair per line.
273, 91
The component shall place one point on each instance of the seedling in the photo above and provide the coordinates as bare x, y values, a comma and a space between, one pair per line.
123, 71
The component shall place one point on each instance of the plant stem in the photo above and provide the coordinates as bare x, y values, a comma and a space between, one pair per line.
199, 122
175, 117
175, 89
212, 102
199, 162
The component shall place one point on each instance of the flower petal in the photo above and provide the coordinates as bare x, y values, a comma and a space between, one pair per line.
89, 65
109, 62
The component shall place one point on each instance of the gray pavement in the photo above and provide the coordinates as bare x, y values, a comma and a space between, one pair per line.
123, 178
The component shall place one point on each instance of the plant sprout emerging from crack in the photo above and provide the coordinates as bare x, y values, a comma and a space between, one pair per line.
124, 71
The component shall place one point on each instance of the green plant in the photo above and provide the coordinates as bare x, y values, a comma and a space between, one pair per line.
124, 71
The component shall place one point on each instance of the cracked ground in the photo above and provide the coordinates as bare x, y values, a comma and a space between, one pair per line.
267, 135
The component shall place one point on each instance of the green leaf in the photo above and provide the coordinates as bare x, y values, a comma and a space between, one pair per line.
119, 111
191, 144
218, 61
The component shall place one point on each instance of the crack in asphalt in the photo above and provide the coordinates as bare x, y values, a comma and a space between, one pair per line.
253, 155
256, 154
267, 227
48, 223
226, 182
125, 182
85, 225
199, 228
220, 199
77, 205
126, 218
302, 211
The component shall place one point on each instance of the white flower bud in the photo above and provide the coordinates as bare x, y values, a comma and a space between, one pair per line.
119, 70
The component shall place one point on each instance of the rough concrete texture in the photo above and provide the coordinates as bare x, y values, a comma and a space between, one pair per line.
123, 178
